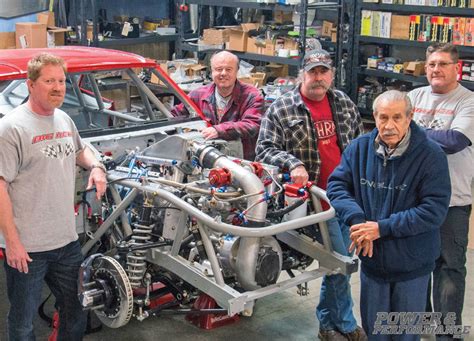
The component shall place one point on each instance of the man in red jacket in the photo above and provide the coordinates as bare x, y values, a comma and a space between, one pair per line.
234, 108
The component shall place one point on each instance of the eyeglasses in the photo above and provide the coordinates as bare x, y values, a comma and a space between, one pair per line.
441, 65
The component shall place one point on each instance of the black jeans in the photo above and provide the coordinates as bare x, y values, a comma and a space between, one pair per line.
449, 276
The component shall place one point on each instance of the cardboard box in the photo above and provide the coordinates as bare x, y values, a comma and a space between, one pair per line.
120, 98
327, 27
256, 79
259, 78
191, 68
165, 22
195, 70
136, 70
276, 70
414, 68
56, 36
213, 36
399, 27
334, 35
154, 79
237, 40
281, 17
7, 40
290, 44
270, 47
238, 36
255, 45
30, 34
46, 18
372, 63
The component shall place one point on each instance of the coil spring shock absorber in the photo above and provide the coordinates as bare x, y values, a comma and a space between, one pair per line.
136, 260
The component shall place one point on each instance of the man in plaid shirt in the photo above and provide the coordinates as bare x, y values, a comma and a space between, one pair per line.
233, 108
304, 133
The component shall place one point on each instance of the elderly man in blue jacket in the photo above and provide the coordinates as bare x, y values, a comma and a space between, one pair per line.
392, 188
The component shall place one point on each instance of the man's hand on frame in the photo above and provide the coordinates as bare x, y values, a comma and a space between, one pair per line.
299, 175
210, 133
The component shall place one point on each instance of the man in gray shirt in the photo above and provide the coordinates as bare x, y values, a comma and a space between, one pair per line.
446, 109
39, 149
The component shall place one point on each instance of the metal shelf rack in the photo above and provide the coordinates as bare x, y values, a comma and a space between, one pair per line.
359, 72
301, 8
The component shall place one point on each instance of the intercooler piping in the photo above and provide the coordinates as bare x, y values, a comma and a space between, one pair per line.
247, 255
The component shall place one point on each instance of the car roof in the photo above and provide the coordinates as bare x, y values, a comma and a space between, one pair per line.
13, 62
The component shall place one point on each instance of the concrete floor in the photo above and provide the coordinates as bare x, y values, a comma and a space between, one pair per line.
283, 316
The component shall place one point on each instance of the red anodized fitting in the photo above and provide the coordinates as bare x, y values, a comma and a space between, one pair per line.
219, 177
257, 168
295, 191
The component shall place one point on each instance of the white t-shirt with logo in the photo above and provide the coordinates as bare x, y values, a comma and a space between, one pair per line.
38, 161
454, 110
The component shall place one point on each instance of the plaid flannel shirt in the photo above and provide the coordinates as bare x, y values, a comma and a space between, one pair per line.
241, 119
287, 136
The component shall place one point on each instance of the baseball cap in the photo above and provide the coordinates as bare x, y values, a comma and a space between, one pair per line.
317, 57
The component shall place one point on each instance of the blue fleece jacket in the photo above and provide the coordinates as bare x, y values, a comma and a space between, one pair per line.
408, 196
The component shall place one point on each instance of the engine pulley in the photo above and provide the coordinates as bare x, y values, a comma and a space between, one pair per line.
268, 267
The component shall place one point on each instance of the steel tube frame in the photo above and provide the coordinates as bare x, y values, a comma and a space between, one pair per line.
227, 228
228, 298
225, 296
148, 95
110, 220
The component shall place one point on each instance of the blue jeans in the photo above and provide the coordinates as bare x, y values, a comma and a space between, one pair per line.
449, 276
384, 297
334, 310
59, 268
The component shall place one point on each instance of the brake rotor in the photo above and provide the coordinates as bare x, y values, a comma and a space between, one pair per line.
118, 306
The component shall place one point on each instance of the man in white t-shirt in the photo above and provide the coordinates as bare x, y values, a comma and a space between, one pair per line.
446, 110
39, 150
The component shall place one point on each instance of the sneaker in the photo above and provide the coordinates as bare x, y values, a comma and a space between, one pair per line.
331, 335
357, 335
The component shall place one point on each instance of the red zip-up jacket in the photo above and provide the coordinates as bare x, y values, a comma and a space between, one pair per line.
242, 118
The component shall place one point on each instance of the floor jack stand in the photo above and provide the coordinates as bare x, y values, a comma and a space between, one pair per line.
212, 320
55, 324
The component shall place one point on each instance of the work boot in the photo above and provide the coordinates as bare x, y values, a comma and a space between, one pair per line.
331, 335
357, 335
